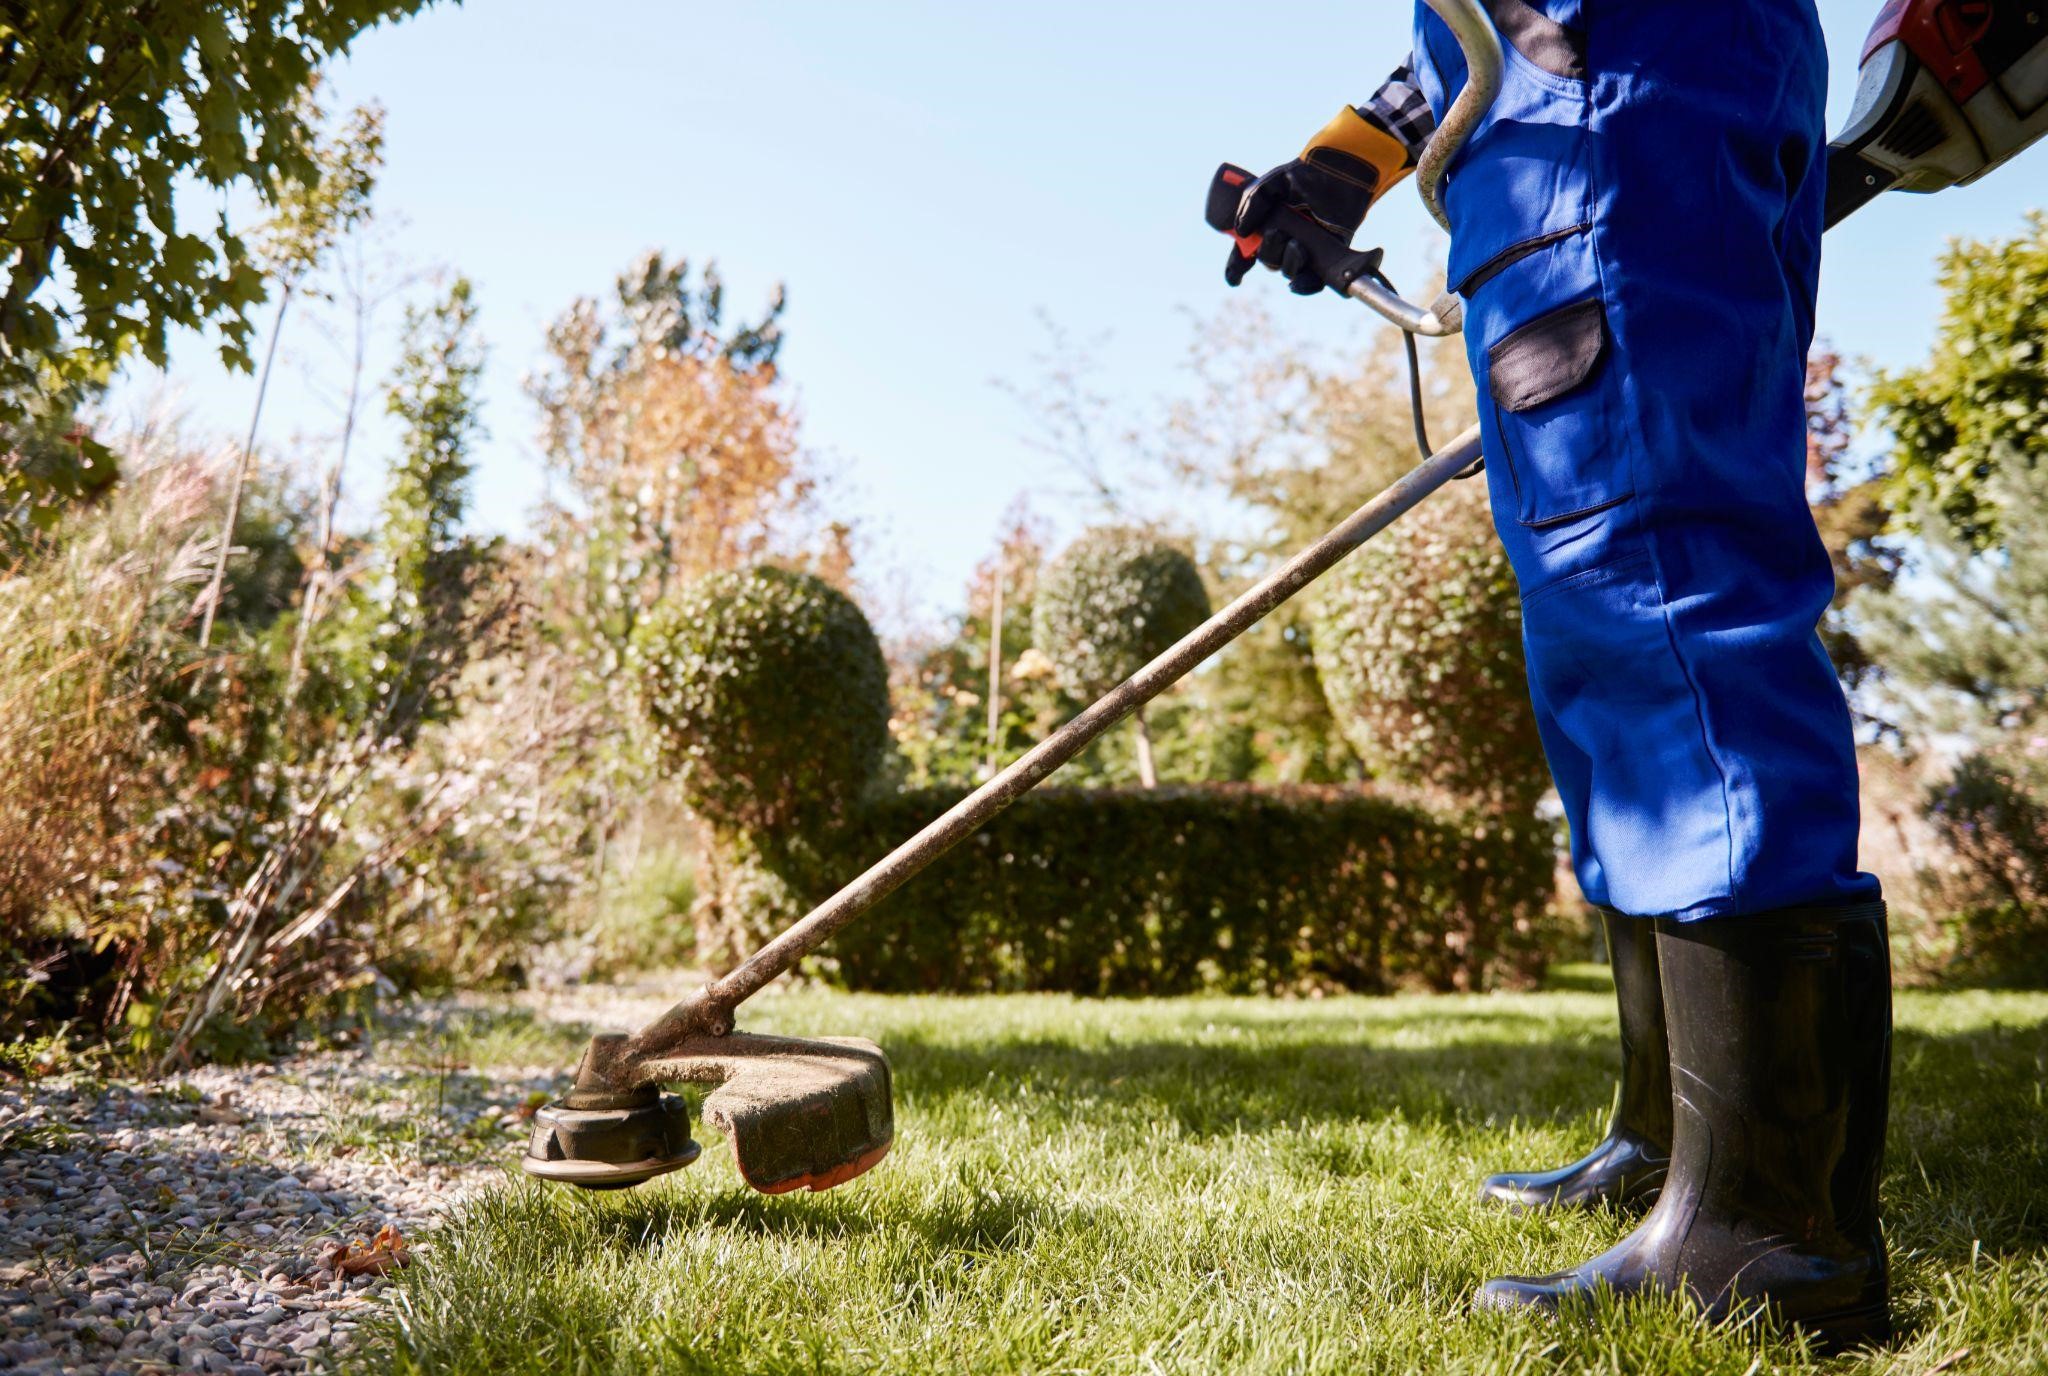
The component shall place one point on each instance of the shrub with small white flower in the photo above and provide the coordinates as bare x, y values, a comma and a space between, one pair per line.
1418, 643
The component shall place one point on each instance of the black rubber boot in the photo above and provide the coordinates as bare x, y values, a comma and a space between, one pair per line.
1780, 1031
1627, 1168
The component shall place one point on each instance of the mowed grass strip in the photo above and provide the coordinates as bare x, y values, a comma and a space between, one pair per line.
1204, 1185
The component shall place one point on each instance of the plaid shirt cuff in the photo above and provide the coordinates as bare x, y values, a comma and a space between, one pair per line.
1400, 108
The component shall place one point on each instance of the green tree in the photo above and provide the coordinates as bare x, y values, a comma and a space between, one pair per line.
1980, 401
1963, 645
425, 570
51, 462
1964, 642
311, 217
1116, 599
105, 109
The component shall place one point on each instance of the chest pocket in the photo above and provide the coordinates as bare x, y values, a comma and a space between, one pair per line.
1551, 387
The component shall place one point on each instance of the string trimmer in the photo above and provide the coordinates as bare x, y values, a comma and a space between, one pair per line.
1950, 89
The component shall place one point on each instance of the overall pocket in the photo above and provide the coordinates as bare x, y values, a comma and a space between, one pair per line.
1550, 385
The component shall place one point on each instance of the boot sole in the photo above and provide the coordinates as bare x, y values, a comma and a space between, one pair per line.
1639, 1200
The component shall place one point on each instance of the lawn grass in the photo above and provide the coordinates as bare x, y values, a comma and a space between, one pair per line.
1209, 1184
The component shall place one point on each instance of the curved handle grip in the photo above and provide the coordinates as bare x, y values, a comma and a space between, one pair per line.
1336, 262
1473, 27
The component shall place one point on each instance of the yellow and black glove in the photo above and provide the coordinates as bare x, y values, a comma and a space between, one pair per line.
1343, 171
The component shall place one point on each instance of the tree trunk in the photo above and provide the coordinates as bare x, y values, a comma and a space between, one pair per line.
995, 679
227, 526
1147, 775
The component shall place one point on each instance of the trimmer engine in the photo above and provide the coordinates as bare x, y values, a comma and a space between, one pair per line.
1949, 89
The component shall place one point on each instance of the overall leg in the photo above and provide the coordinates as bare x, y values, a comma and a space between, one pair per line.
1636, 232
1639, 327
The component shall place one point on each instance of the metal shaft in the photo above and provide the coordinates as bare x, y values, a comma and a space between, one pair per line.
1473, 27
710, 1009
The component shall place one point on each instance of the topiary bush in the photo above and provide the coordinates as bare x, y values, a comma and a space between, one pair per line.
769, 694
1112, 602
770, 697
1418, 642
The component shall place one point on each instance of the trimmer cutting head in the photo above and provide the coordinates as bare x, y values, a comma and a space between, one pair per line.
802, 1114
604, 1141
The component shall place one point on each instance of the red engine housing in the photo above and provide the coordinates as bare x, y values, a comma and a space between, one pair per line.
1943, 34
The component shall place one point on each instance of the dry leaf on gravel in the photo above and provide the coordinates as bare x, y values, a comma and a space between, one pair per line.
222, 1111
371, 1256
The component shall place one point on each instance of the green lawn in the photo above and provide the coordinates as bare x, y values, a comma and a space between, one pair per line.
1198, 1185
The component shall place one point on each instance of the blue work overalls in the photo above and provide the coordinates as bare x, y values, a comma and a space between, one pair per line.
1636, 232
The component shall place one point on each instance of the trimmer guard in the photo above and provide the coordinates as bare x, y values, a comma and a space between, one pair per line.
802, 1113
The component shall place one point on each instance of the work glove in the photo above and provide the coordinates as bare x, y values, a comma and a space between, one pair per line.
1343, 171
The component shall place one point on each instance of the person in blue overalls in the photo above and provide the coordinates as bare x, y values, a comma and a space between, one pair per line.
1636, 234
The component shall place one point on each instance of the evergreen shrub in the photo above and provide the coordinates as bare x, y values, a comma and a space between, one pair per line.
1994, 891
769, 694
1418, 643
1112, 602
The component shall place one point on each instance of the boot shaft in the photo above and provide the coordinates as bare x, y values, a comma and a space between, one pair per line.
1780, 1034
1643, 1108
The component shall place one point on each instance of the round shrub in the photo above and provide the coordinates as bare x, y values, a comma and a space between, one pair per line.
1418, 643
1111, 602
769, 693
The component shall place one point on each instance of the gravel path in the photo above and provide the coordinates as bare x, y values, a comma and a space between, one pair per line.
240, 1219
197, 1224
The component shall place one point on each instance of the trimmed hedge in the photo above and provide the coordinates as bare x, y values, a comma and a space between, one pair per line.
1224, 887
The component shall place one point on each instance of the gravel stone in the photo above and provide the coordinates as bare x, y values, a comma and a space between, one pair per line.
186, 1223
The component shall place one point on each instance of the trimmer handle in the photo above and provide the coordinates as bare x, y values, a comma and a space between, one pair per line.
1353, 272
1336, 262
1357, 274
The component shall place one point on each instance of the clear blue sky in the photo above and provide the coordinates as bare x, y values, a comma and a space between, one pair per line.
926, 178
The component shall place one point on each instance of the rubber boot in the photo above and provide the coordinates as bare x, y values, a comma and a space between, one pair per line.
1627, 1168
1780, 1029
